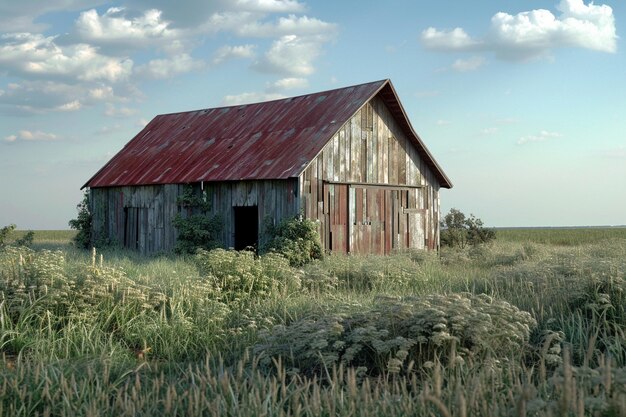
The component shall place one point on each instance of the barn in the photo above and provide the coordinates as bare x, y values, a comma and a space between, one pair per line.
348, 158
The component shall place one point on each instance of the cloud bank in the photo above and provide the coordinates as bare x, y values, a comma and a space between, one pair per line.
533, 34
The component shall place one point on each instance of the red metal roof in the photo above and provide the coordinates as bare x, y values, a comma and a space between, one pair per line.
270, 140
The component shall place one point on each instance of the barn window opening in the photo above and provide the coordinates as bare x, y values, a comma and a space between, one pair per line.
246, 227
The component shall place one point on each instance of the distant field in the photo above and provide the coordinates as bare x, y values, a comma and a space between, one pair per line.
47, 239
561, 236
553, 236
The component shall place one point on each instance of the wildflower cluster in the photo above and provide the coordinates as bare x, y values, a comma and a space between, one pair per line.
240, 276
397, 334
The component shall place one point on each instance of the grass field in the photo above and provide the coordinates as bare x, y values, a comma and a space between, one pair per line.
561, 236
533, 324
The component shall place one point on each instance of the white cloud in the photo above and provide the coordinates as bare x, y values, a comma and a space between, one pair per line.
70, 106
291, 25
287, 84
535, 33
272, 6
31, 136
471, 64
543, 136
489, 131
113, 111
290, 55
101, 92
28, 97
453, 40
228, 52
36, 56
20, 16
166, 68
113, 27
442, 122
246, 98
94, 62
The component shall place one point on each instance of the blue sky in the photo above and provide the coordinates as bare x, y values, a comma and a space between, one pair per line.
521, 102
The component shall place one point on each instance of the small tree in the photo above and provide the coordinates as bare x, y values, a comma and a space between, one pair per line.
457, 230
4, 234
82, 223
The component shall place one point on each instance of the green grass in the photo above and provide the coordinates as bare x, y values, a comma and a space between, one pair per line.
561, 236
47, 239
119, 334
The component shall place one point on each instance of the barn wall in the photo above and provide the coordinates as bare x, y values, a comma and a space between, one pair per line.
144, 214
372, 149
153, 208
275, 199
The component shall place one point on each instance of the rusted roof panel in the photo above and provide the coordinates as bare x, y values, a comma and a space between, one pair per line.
270, 140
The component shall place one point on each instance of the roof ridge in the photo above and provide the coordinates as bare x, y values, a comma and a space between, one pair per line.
381, 82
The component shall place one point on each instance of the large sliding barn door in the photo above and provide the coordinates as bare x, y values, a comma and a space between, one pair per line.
365, 219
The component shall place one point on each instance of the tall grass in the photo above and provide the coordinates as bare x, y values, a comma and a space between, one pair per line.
113, 333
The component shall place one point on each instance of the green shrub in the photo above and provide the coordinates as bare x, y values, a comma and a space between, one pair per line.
82, 223
196, 228
296, 239
26, 240
240, 276
4, 234
396, 334
457, 230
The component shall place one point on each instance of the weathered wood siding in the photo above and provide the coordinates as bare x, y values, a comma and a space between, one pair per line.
141, 217
275, 199
370, 190
137, 217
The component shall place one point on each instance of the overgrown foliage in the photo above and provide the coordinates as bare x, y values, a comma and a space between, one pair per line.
241, 277
197, 229
25, 240
5, 232
457, 230
398, 334
82, 223
455, 334
296, 239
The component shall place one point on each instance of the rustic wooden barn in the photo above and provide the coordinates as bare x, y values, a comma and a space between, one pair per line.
348, 158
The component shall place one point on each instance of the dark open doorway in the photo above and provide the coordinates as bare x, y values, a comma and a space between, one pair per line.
246, 227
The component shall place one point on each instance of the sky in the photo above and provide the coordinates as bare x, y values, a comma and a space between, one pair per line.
522, 103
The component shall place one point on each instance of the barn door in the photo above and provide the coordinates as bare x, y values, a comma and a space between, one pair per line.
138, 228
336, 213
367, 223
381, 220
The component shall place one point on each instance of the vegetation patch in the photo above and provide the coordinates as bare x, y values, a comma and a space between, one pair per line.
82, 223
197, 229
228, 333
457, 230
241, 277
397, 334
296, 239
